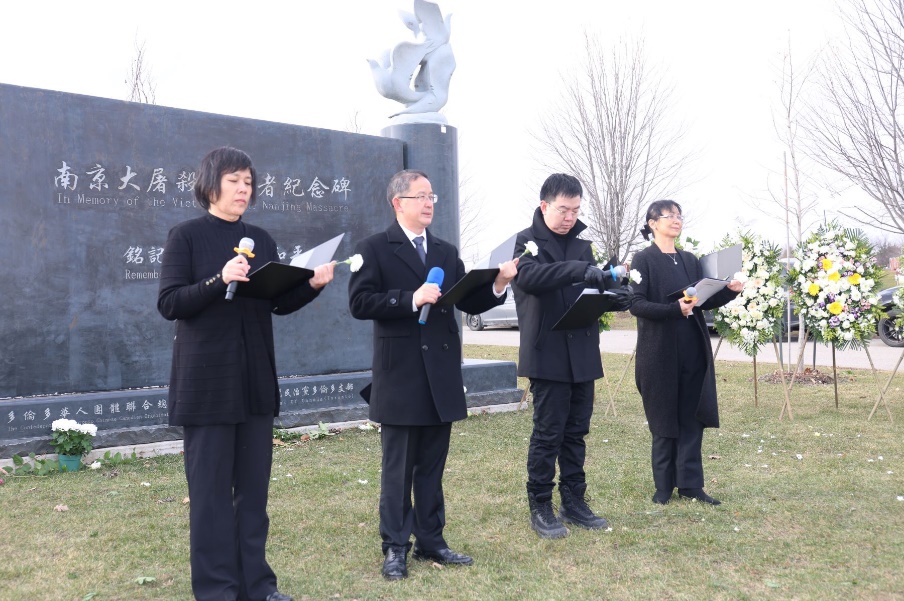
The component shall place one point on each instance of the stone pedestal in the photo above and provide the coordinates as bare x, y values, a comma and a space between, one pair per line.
433, 149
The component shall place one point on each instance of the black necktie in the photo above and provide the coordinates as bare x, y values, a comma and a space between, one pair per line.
419, 245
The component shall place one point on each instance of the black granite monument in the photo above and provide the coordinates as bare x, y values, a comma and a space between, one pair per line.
96, 184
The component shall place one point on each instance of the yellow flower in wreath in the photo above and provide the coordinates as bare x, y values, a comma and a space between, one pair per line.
835, 308
826, 264
854, 278
813, 289
834, 276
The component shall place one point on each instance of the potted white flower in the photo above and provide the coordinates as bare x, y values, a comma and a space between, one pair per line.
72, 440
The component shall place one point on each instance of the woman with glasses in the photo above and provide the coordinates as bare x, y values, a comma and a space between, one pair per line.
674, 367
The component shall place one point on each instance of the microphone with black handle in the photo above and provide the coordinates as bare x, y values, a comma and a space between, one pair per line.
246, 245
434, 276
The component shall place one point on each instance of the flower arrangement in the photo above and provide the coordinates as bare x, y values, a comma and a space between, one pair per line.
898, 300
354, 262
835, 286
69, 437
753, 317
689, 244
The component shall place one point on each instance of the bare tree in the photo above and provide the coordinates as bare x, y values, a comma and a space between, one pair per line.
791, 198
855, 130
470, 217
140, 80
611, 132
353, 125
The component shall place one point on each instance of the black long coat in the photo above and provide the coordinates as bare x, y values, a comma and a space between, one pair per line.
416, 368
544, 289
224, 363
656, 370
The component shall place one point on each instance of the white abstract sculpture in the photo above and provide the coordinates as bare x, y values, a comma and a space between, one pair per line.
429, 57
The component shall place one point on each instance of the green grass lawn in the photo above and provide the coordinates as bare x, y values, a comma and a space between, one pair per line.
812, 509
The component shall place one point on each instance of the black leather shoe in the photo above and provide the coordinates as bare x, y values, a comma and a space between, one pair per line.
442, 556
697, 494
395, 564
278, 596
662, 497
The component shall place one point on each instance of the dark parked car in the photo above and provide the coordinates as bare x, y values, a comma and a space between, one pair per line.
504, 315
888, 333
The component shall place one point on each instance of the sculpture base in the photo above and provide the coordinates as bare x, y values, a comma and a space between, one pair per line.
406, 118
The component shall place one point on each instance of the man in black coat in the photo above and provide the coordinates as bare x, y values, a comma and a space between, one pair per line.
417, 390
561, 364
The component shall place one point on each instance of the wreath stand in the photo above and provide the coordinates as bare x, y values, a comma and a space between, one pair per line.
523, 400
884, 389
756, 390
800, 358
618, 384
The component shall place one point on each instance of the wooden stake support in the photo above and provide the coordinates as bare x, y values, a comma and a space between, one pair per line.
882, 390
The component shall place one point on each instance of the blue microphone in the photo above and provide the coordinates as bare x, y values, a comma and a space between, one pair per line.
435, 276
617, 272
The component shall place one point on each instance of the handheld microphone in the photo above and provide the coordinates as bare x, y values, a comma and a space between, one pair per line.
617, 272
435, 276
690, 295
246, 245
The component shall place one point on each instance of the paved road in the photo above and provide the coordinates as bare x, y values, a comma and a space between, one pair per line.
623, 341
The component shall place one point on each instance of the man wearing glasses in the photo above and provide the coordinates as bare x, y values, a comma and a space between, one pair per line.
417, 390
561, 364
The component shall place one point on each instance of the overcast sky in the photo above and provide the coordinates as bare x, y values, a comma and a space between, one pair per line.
303, 62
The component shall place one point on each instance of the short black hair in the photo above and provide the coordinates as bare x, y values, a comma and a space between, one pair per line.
214, 166
560, 184
401, 182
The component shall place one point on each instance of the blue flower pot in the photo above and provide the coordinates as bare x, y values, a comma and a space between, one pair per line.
70, 463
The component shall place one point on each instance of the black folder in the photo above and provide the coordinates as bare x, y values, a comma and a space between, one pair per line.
463, 287
586, 310
273, 279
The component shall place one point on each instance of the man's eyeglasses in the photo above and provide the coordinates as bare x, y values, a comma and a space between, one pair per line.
423, 198
563, 211
672, 217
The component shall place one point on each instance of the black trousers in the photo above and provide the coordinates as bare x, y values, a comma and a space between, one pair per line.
414, 458
562, 412
228, 473
679, 461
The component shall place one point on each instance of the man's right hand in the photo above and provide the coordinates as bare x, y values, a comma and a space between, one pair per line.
426, 294
595, 277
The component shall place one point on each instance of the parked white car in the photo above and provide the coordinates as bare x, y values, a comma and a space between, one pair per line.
503, 315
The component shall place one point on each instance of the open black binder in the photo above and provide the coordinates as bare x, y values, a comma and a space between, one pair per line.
718, 269
273, 279
706, 288
463, 287
586, 310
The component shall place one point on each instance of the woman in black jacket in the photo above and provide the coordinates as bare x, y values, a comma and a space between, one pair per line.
674, 367
223, 389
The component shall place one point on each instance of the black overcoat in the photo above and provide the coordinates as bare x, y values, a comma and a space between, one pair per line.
544, 289
656, 370
224, 364
416, 368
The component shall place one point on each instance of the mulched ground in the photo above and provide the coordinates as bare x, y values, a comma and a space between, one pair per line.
808, 377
